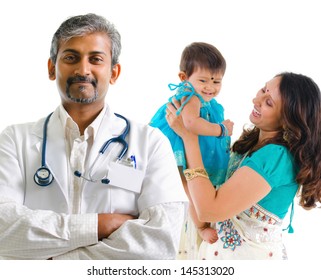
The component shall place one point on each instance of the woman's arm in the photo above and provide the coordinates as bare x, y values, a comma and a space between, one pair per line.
245, 188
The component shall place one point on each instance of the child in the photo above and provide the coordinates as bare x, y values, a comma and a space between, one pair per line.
202, 68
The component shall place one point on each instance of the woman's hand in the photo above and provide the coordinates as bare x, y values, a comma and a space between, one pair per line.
174, 121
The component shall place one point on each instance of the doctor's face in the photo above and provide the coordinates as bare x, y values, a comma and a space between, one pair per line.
83, 69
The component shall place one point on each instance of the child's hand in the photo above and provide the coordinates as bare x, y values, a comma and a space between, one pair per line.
229, 126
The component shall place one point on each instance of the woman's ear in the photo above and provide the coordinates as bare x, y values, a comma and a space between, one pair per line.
51, 70
182, 76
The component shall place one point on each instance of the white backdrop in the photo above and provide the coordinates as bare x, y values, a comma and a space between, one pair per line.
258, 39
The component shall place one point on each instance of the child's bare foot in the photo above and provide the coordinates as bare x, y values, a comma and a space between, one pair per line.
208, 234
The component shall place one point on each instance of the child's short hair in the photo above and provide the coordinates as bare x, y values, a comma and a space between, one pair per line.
201, 55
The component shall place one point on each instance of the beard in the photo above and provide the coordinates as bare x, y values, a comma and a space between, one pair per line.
76, 95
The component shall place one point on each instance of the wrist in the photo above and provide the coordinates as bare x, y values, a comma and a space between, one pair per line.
190, 174
224, 131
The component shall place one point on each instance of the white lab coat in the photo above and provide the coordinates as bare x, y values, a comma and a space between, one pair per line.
35, 221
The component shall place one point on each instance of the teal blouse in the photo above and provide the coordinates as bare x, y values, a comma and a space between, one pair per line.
276, 165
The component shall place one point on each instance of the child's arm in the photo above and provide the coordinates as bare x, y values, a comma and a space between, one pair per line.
196, 124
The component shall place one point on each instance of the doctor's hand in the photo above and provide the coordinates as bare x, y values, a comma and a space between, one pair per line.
108, 223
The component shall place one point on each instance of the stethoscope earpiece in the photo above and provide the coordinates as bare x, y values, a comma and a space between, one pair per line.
43, 177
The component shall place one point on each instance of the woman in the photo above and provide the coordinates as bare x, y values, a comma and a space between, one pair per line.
272, 162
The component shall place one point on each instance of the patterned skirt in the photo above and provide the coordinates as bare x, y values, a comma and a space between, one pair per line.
255, 234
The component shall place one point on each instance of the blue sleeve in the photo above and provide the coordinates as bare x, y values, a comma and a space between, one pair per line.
274, 163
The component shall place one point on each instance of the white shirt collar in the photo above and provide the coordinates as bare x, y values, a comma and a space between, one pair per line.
69, 124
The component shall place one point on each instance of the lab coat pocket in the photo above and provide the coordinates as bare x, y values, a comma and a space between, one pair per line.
125, 177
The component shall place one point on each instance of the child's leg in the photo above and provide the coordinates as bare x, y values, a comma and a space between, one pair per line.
190, 239
204, 230
208, 234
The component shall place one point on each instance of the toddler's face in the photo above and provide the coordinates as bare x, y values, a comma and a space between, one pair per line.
206, 83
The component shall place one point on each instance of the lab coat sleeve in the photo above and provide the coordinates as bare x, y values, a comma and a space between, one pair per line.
34, 234
41, 234
154, 235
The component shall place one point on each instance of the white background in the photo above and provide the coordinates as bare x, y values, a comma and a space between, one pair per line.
258, 39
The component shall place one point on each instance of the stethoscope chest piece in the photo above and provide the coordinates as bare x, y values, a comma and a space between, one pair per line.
43, 177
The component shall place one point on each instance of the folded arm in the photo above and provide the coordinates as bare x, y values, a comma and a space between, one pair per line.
42, 234
154, 235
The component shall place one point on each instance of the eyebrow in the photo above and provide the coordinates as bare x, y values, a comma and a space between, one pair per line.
210, 78
268, 92
91, 53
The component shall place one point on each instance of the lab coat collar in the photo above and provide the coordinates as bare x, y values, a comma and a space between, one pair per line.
56, 159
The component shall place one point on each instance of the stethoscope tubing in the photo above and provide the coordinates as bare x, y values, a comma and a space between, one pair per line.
121, 139
46, 181
44, 142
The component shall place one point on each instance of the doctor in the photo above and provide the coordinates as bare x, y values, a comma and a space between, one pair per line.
69, 192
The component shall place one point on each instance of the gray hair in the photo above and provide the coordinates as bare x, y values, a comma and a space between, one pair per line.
86, 24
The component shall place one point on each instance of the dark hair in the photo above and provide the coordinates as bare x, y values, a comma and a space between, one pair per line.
86, 24
202, 55
301, 111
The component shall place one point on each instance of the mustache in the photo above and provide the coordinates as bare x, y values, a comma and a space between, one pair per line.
78, 79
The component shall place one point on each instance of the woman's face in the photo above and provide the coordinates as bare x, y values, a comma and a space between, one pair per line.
266, 114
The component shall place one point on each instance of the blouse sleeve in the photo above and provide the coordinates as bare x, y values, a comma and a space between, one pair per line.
274, 163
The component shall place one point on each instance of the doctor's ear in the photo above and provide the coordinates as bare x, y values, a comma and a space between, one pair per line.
51, 70
115, 72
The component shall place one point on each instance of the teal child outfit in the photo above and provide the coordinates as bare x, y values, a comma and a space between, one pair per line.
215, 150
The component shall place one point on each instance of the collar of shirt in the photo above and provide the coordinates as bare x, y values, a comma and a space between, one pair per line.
71, 127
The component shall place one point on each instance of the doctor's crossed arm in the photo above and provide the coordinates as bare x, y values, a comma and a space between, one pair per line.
88, 183
109, 222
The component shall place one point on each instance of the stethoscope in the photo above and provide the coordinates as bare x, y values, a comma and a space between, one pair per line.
43, 176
